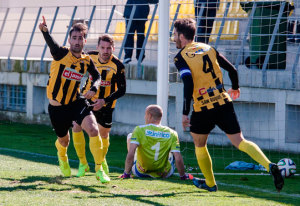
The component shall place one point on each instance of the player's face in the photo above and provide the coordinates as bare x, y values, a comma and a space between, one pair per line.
77, 42
177, 40
105, 50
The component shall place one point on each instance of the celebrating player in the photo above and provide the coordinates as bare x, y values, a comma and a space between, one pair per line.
199, 66
65, 104
153, 142
112, 87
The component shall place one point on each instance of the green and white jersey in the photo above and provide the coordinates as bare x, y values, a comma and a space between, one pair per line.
155, 143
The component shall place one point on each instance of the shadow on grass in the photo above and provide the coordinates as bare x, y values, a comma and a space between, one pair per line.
40, 181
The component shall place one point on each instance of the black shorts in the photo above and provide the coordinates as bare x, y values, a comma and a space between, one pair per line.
104, 117
62, 116
224, 117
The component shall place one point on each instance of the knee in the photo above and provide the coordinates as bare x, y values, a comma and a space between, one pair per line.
64, 141
93, 131
76, 128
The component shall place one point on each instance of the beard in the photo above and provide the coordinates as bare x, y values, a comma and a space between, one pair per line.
76, 48
178, 44
105, 57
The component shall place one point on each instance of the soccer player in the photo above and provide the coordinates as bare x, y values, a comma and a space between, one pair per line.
153, 143
199, 66
65, 104
112, 87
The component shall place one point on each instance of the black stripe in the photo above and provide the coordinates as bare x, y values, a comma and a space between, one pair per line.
58, 81
200, 98
112, 89
211, 94
218, 82
204, 108
216, 104
102, 89
81, 68
75, 90
65, 91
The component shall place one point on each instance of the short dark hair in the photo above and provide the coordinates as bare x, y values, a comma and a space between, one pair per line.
187, 27
80, 27
107, 38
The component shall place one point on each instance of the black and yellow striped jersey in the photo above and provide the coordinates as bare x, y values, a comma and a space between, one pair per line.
201, 62
66, 72
113, 82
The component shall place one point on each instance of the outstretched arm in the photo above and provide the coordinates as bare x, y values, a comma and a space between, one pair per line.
56, 51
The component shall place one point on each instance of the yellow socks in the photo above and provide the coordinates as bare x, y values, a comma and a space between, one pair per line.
79, 144
105, 146
205, 164
96, 150
62, 151
255, 153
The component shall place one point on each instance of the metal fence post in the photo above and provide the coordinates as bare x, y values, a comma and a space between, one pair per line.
30, 40
70, 25
110, 18
4, 21
264, 72
245, 36
127, 30
144, 43
14, 39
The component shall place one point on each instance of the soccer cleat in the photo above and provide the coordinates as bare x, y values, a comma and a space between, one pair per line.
64, 167
277, 178
200, 183
105, 167
102, 177
82, 169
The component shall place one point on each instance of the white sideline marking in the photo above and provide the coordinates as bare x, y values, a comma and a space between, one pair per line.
218, 182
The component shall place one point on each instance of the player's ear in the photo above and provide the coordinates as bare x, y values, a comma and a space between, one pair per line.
181, 37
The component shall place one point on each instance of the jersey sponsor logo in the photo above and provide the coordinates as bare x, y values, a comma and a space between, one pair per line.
203, 91
105, 83
72, 74
198, 51
157, 134
213, 99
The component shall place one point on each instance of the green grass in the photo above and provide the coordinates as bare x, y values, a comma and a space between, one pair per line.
36, 180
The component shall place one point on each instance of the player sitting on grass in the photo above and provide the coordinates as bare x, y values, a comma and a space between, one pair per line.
153, 143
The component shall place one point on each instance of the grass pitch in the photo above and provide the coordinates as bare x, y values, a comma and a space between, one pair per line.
33, 178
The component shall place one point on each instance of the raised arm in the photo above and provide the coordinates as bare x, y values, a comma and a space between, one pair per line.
56, 51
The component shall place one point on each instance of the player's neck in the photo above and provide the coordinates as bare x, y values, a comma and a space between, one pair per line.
185, 42
102, 61
77, 55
